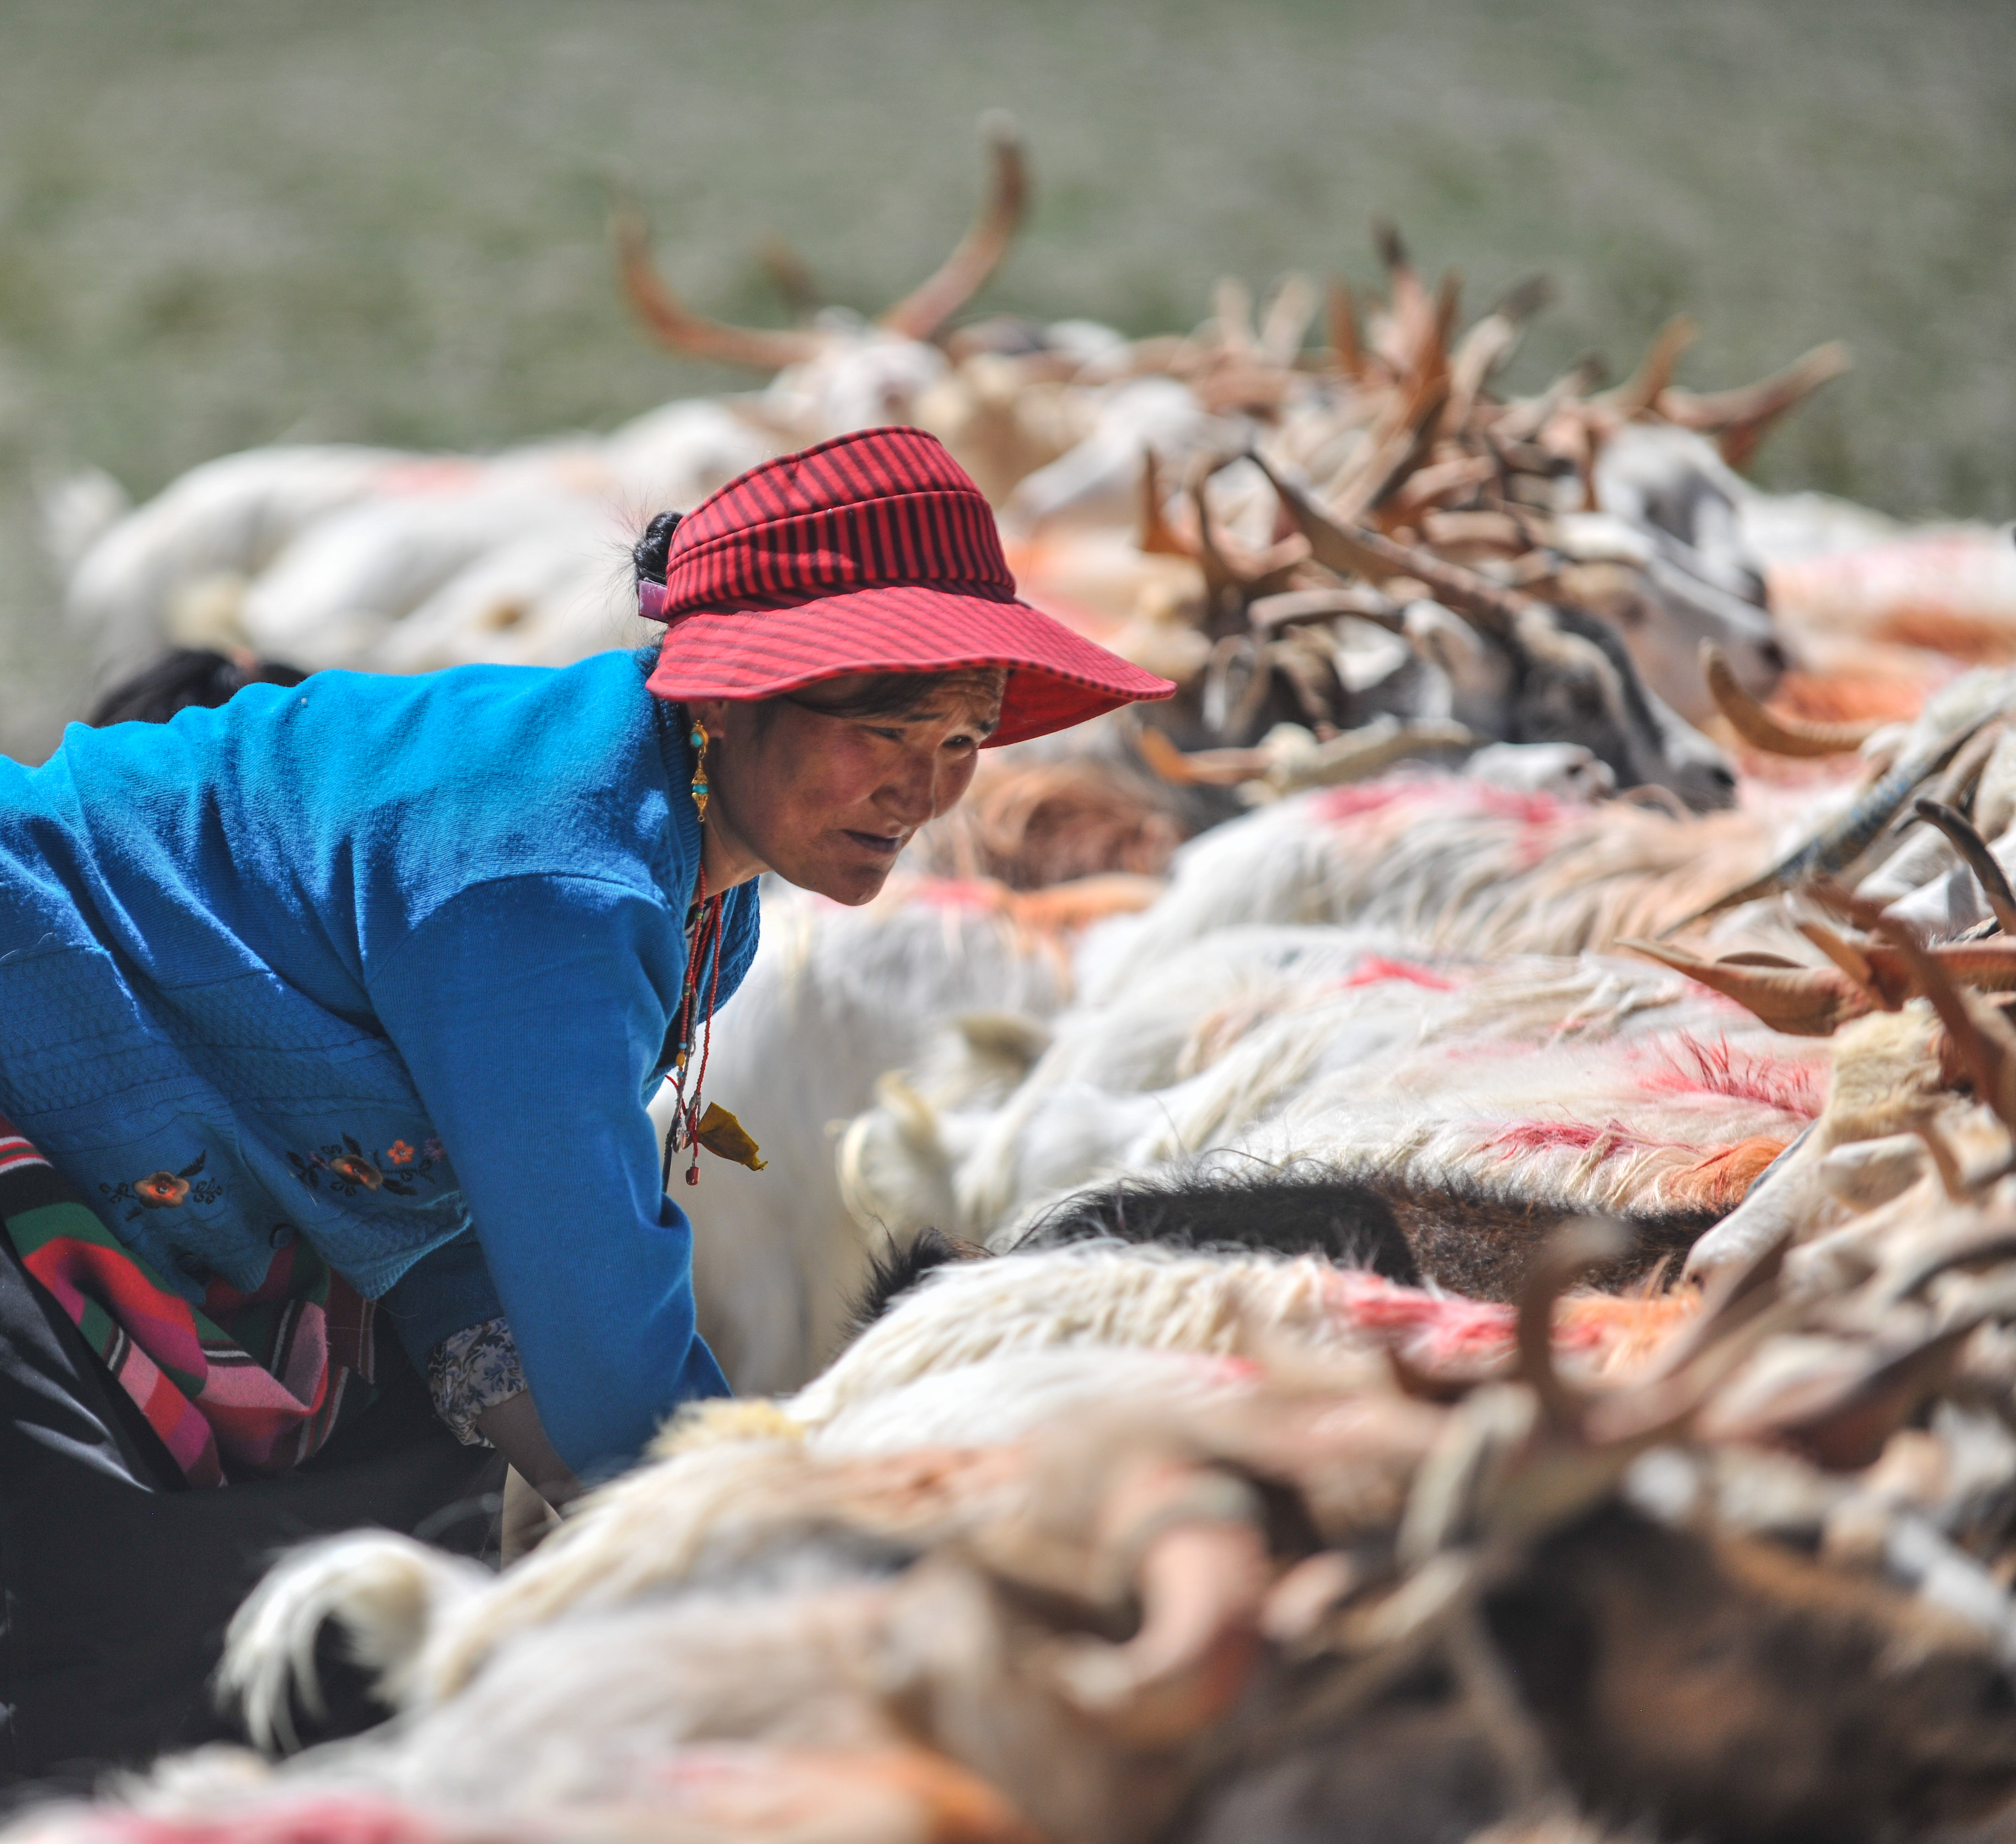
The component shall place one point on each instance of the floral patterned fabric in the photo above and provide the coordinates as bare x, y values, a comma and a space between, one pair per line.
472, 1372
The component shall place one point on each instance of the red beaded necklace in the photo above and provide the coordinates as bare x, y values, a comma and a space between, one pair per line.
702, 944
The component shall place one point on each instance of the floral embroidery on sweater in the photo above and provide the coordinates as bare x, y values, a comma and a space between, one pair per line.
350, 1170
164, 1190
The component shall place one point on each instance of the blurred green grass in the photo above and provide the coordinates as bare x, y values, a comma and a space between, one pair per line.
225, 222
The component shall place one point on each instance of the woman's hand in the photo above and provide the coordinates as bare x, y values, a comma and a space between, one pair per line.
513, 1428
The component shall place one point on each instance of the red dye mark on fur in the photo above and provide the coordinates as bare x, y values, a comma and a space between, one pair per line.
1688, 1066
1531, 1136
1375, 969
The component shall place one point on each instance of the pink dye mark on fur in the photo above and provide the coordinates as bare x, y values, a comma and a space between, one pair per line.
1689, 1066
1337, 805
1440, 1327
1375, 969
327, 1820
1447, 1331
1529, 1137
1525, 810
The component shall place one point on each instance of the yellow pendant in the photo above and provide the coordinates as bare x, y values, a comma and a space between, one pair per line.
724, 1136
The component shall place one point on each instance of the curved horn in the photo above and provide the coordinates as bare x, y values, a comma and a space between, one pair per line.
1354, 551
1973, 848
792, 275
1739, 418
1801, 1002
675, 325
1982, 1037
1564, 1258
1780, 736
1285, 322
1642, 390
927, 306
1347, 346
1488, 344
1158, 537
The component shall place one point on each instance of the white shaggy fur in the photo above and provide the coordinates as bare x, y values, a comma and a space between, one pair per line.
385, 1588
1003, 1399
976, 1355
966, 1313
835, 998
1277, 1045
1451, 863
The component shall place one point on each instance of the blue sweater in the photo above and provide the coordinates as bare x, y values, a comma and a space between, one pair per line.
396, 959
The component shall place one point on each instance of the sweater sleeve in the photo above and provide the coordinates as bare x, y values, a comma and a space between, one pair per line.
445, 1292
531, 1012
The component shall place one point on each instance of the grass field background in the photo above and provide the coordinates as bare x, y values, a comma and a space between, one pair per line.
225, 222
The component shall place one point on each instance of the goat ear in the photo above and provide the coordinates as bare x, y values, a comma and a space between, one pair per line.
917, 1119
1010, 1037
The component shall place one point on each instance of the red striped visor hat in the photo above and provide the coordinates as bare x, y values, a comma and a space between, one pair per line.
873, 552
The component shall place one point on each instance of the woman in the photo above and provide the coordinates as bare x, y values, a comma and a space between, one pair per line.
340, 1007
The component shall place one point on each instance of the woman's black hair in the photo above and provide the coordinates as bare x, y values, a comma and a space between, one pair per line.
898, 694
650, 551
188, 676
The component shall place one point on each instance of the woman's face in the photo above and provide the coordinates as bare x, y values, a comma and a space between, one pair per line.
827, 801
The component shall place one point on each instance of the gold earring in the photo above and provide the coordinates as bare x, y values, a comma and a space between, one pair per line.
698, 740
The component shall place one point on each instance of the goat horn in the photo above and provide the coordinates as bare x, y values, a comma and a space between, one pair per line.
1987, 966
1158, 537
1231, 307
1985, 1044
1354, 551
791, 273
1758, 727
1739, 418
1488, 344
1570, 1252
1387, 240
1801, 1002
927, 306
1837, 846
1341, 316
1201, 1581
1850, 960
675, 325
1214, 768
1973, 848
1642, 390
1285, 322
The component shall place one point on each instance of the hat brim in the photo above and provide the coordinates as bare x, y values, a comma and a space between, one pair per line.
1056, 678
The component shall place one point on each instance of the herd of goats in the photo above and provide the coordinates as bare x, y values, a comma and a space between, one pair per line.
1417, 1245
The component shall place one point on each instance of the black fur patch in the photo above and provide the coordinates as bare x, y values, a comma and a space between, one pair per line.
1298, 1212
900, 1266
1469, 1241
186, 678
